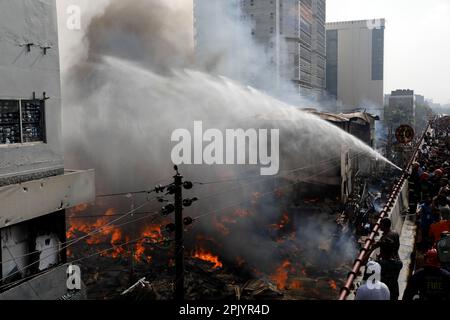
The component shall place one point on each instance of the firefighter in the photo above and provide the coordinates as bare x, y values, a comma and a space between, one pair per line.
430, 283
443, 249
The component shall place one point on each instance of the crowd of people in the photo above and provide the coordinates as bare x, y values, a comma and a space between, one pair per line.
430, 189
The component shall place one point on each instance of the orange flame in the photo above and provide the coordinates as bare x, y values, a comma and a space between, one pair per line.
152, 234
283, 222
295, 284
280, 276
202, 254
113, 235
333, 284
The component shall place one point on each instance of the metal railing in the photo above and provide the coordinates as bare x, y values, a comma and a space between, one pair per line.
370, 241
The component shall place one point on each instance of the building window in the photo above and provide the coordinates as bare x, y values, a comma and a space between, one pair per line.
378, 54
332, 63
22, 121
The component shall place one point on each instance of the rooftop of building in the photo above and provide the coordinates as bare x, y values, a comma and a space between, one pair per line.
368, 24
402, 92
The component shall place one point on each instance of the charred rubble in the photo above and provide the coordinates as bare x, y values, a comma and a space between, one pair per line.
211, 274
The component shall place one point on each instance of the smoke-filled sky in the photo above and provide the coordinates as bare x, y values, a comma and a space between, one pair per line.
417, 48
417, 53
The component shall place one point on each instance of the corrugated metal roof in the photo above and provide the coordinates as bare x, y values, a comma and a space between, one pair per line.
367, 117
333, 117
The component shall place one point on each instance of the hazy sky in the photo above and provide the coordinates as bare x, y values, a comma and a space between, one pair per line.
417, 47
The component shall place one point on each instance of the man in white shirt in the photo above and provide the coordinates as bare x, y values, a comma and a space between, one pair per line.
372, 288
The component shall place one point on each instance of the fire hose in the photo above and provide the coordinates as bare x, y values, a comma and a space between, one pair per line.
370, 241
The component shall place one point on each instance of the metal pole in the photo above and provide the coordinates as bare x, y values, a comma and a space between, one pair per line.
179, 248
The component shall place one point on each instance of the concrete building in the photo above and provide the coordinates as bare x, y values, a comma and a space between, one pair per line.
362, 126
355, 65
386, 99
290, 33
402, 108
420, 100
35, 188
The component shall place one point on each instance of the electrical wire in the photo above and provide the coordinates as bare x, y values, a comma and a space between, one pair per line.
268, 178
75, 240
100, 216
79, 260
260, 195
332, 159
114, 246
131, 192
124, 193
69, 243
29, 284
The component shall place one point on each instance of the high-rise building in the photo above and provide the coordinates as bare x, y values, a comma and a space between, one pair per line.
420, 99
355, 65
35, 188
319, 43
290, 33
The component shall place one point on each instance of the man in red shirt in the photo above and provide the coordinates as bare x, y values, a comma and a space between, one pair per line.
438, 228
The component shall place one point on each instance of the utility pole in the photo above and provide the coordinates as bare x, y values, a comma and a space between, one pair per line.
179, 246
176, 189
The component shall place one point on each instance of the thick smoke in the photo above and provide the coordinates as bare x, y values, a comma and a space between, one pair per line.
132, 81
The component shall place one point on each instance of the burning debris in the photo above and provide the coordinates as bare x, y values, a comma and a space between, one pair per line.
292, 244
203, 255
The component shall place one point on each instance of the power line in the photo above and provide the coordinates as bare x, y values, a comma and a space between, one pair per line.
323, 162
75, 238
101, 215
69, 243
250, 183
29, 284
124, 193
148, 191
114, 245
261, 195
79, 260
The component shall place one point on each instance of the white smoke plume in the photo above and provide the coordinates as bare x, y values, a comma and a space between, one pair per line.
130, 79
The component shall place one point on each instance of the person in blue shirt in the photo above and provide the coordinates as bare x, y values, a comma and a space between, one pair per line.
427, 218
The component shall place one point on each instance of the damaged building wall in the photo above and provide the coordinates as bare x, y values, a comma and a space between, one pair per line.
30, 59
14, 247
35, 189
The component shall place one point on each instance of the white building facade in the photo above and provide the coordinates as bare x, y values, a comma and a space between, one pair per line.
355, 65
35, 188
